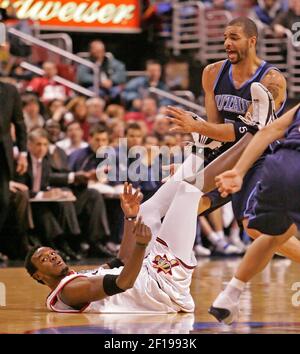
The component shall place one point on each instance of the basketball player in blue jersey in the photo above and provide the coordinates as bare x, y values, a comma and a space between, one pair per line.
227, 88
273, 207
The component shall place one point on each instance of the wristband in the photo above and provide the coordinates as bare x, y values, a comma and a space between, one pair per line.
142, 245
110, 286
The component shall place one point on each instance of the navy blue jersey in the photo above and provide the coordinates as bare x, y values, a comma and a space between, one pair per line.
232, 102
292, 135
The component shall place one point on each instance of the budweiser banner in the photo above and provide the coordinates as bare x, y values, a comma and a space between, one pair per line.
78, 15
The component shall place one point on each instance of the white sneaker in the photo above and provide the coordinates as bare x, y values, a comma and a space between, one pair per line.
113, 247
228, 249
263, 107
224, 309
201, 251
236, 241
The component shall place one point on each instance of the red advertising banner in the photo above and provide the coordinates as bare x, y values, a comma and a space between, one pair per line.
80, 15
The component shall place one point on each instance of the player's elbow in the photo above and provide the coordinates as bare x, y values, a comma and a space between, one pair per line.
125, 284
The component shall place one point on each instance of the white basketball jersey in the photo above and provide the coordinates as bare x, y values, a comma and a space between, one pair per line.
162, 286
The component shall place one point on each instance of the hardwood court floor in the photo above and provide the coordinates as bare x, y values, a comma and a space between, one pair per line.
266, 305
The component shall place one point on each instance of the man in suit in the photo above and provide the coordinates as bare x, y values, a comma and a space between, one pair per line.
55, 221
10, 113
90, 205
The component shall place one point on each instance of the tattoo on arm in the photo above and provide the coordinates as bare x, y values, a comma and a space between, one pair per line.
275, 89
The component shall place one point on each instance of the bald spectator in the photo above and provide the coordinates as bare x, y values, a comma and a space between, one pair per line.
112, 72
46, 87
96, 114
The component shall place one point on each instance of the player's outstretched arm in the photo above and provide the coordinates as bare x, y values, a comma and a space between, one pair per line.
231, 181
130, 203
133, 266
184, 122
84, 290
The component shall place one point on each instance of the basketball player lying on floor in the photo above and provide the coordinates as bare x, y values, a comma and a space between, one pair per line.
131, 283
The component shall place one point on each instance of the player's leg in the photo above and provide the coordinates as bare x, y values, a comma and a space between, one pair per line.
226, 306
260, 253
272, 213
154, 209
178, 229
290, 249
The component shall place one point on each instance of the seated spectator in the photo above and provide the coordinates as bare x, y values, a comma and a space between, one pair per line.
90, 207
285, 20
147, 113
95, 108
266, 11
86, 159
138, 88
151, 167
74, 139
117, 128
174, 152
115, 111
161, 126
56, 110
46, 87
242, 7
31, 111
77, 111
55, 222
112, 72
170, 140
54, 132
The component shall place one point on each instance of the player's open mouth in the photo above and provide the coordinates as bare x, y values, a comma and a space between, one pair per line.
230, 53
59, 263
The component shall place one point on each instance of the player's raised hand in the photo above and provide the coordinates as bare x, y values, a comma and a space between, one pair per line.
142, 233
130, 202
229, 182
183, 120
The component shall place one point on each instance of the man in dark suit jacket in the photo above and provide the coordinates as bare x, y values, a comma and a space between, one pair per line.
90, 205
55, 221
10, 113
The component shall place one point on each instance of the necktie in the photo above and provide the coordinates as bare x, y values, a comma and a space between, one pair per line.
37, 177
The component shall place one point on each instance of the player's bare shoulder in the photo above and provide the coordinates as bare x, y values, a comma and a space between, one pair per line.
210, 74
275, 82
